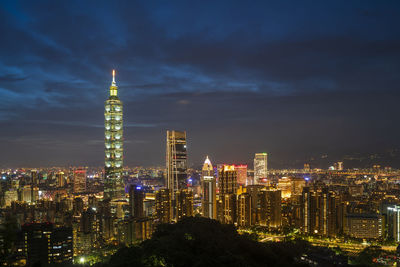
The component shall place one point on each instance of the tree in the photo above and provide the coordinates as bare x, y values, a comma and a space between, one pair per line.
204, 242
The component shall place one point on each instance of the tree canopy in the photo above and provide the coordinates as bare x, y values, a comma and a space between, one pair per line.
204, 242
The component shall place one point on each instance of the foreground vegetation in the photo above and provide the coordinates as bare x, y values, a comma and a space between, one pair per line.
205, 242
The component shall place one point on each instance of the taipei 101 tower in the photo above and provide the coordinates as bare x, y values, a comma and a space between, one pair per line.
113, 140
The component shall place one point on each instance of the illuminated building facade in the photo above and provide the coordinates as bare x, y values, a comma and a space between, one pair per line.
368, 226
164, 205
79, 181
393, 222
184, 203
227, 185
60, 179
227, 180
241, 171
318, 211
45, 245
271, 208
244, 210
113, 183
260, 168
285, 185
209, 190
176, 160
136, 201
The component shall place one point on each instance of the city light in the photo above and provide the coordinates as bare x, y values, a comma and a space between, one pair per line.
297, 110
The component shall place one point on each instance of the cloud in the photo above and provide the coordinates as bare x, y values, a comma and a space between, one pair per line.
226, 71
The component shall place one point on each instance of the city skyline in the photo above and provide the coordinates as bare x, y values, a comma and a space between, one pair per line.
211, 133
297, 86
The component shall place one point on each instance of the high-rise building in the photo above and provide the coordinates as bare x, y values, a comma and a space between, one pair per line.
45, 245
393, 222
60, 179
34, 177
241, 171
271, 208
184, 203
226, 208
244, 210
318, 211
285, 185
209, 190
297, 186
79, 181
260, 168
227, 187
176, 160
255, 194
136, 201
164, 205
113, 183
227, 180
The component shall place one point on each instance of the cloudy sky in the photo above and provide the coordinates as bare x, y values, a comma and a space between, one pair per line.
296, 79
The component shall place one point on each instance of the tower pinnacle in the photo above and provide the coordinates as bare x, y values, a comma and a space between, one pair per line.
113, 87
113, 80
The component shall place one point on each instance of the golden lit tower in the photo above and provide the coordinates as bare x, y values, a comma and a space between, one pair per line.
113, 184
209, 189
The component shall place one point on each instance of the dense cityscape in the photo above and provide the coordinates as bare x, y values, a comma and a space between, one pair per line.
83, 215
199, 133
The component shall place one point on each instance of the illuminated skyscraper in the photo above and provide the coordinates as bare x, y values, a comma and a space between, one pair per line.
227, 185
176, 161
244, 210
209, 190
184, 203
163, 206
136, 201
393, 222
318, 211
113, 184
79, 181
227, 182
241, 171
60, 179
260, 167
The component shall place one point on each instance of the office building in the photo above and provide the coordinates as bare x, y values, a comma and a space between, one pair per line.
260, 168
271, 208
45, 245
60, 177
285, 185
209, 190
318, 211
164, 205
113, 114
184, 203
79, 181
364, 225
241, 171
393, 222
176, 160
244, 210
136, 201
227, 180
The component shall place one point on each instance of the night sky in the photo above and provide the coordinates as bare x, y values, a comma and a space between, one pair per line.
296, 79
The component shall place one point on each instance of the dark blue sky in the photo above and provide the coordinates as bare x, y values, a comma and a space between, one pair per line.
292, 78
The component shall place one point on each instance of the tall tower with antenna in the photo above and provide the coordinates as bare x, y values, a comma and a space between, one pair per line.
113, 141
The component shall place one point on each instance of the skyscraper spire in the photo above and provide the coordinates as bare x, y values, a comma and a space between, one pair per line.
113, 87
